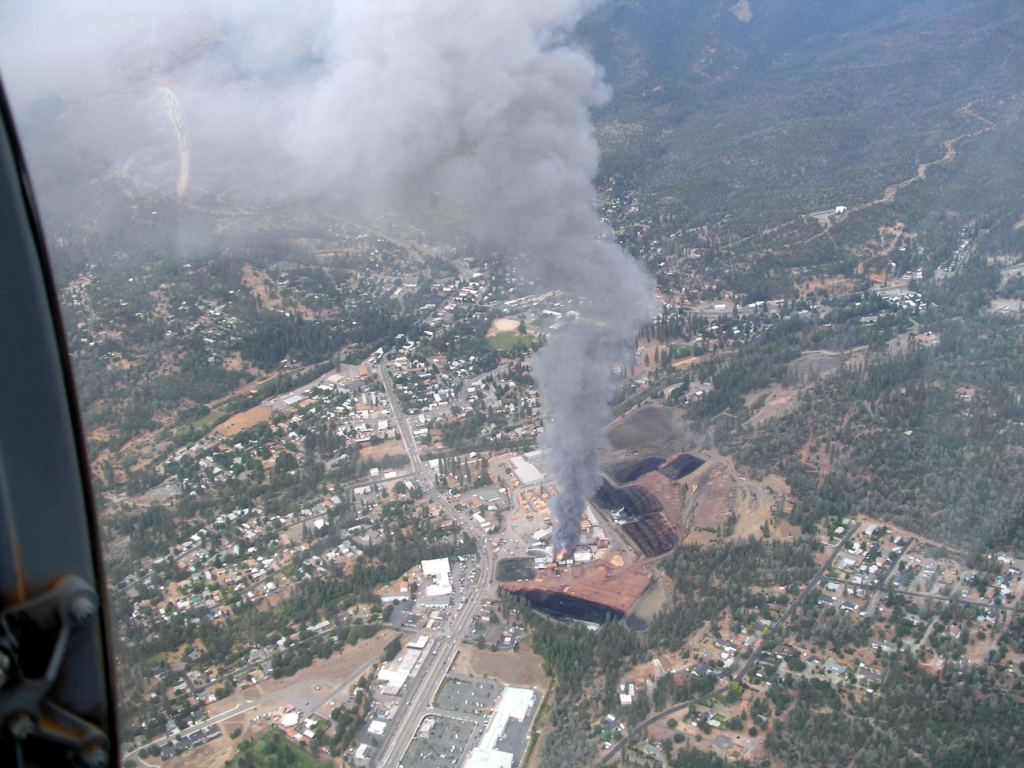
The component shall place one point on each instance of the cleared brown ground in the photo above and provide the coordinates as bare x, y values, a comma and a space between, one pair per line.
379, 451
719, 489
686, 362
713, 499
773, 401
242, 421
607, 583
213, 754
523, 668
234, 362
257, 281
503, 325
834, 284
271, 692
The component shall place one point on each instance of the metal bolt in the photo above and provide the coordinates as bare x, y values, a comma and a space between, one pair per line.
82, 608
21, 726
94, 756
5, 667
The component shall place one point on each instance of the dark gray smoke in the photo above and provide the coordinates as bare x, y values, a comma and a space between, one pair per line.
474, 112
574, 375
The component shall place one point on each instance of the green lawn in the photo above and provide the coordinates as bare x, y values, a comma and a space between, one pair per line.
273, 750
509, 340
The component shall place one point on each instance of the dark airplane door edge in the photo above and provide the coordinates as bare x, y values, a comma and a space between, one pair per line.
56, 672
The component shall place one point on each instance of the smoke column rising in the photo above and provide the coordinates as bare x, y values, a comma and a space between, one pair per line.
478, 111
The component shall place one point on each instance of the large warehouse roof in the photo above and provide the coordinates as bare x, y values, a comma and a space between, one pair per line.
437, 568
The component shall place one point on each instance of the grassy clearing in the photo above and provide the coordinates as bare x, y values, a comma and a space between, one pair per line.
272, 750
507, 341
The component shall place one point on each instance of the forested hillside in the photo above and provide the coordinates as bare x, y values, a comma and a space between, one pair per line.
735, 126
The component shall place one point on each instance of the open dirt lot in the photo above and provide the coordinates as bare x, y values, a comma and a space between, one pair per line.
523, 668
503, 325
718, 490
242, 421
606, 582
213, 754
332, 676
814, 364
379, 451
771, 402
258, 283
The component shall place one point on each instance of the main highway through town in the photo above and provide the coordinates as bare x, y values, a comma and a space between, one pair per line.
421, 689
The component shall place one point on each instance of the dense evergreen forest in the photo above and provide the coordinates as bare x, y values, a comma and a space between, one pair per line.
730, 578
930, 438
917, 720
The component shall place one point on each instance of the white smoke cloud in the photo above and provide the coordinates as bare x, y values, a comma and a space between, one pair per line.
479, 111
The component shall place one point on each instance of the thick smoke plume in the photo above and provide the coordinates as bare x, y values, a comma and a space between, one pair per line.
474, 112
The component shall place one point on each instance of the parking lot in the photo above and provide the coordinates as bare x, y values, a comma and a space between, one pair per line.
517, 737
467, 696
404, 617
441, 742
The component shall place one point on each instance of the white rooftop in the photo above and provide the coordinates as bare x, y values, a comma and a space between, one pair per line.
440, 571
488, 758
438, 567
514, 703
525, 471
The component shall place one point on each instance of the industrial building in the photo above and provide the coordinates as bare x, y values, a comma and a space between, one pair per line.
437, 588
513, 704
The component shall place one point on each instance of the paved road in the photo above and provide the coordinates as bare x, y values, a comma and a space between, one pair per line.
873, 602
235, 711
639, 729
421, 689
885, 588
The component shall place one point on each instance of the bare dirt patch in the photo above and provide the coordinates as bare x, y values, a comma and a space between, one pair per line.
523, 668
770, 403
503, 325
832, 284
234, 362
379, 451
244, 420
722, 498
256, 281
213, 754
309, 688
609, 582
813, 365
